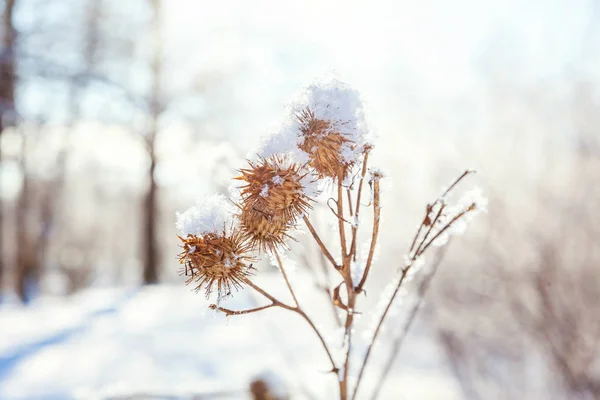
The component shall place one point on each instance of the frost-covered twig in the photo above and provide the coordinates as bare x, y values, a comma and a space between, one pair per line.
358, 200
375, 233
277, 303
285, 277
322, 246
423, 245
229, 312
340, 213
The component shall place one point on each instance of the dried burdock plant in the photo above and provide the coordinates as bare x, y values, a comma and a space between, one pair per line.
324, 146
216, 260
215, 252
325, 143
272, 200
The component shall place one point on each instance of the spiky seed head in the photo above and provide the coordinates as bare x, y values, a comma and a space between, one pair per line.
324, 145
272, 200
274, 186
263, 229
216, 261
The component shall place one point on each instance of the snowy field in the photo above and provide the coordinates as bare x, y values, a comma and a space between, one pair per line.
161, 342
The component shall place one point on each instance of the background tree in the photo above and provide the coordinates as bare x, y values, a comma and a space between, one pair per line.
7, 94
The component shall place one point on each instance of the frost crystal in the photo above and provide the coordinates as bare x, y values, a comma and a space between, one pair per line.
474, 196
211, 215
265, 191
277, 180
376, 173
357, 268
310, 186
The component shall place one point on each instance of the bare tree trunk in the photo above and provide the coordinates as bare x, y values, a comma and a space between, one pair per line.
7, 92
150, 246
27, 272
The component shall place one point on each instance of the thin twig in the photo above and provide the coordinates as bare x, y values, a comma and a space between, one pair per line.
327, 287
334, 368
340, 213
336, 213
445, 228
414, 242
431, 226
439, 199
347, 275
347, 360
229, 312
268, 296
378, 329
300, 312
460, 178
324, 249
375, 234
285, 277
349, 193
322, 286
358, 198
276, 334
404, 273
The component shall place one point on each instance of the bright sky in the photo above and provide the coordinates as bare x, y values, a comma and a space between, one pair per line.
252, 55
434, 49
438, 41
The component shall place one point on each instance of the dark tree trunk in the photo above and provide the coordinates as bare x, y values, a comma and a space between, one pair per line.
151, 256
27, 272
7, 65
150, 246
7, 94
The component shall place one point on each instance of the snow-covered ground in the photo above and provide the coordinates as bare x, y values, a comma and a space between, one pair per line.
162, 342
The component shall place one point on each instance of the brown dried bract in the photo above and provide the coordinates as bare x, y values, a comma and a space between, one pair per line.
273, 199
216, 261
264, 230
324, 145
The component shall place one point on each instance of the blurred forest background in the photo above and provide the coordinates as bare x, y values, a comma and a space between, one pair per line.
115, 114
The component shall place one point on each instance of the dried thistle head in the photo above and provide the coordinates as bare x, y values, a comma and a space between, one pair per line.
216, 261
272, 199
325, 145
263, 230
274, 186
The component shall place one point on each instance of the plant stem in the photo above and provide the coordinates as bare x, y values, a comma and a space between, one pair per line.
348, 335
334, 368
229, 312
340, 213
326, 287
358, 198
347, 275
431, 226
268, 296
300, 312
378, 329
421, 248
349, 193
324, 249
456, 218
285, 277
376, 218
